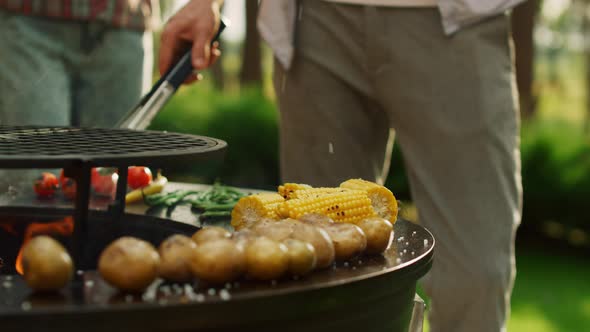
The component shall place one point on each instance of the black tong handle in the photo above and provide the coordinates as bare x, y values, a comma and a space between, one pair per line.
181, 70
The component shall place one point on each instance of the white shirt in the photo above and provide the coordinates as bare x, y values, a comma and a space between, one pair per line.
276, 18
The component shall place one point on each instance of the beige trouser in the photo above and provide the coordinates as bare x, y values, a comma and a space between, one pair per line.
360, 72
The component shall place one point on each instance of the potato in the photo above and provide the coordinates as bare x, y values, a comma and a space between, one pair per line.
378, 232
316, 219
302, 257
218, 261
46, 264
266, 259
243, 236
175, 255
277, 231
320, 240
348, 239
210, 233
250, 224
129, 264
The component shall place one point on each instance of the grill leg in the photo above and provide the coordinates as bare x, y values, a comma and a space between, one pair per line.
118, 207
81, 174
417, 321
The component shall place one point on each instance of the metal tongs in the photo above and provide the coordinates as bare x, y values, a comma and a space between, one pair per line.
141, 116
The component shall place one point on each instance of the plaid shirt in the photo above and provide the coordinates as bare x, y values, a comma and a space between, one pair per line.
133, 14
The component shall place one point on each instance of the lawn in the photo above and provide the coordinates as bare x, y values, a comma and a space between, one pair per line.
551, 292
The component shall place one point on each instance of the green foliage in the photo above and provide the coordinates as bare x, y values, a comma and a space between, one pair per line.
246, 121
556, 172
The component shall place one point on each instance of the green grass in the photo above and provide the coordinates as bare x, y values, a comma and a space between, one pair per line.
551, 293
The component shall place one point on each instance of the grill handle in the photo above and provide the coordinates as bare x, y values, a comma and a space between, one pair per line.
141, 116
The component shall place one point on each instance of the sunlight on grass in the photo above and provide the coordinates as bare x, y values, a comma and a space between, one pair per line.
530, 318
551, 293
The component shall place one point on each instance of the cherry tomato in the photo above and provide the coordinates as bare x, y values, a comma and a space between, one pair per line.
138, 177
46, 185
103, 181
68, 186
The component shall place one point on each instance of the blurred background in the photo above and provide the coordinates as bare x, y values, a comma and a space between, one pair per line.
235, 102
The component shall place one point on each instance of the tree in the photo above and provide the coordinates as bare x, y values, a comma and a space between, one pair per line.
523, 23
251, 59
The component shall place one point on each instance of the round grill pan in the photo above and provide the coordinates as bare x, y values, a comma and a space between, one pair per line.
368, 294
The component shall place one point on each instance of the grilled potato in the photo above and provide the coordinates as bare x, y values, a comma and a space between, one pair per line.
129, 264
175, 255
218, 261
302, 257
348, 239
46, 264
320, 240
316, 219
266, 259
210, 233
378, 232
277, 230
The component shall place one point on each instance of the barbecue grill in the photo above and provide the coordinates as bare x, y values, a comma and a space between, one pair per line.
77, 150
369, 293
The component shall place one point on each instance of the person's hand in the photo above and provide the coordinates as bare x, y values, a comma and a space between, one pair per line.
196, 23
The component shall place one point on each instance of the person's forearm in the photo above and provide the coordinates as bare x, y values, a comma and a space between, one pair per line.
196, 23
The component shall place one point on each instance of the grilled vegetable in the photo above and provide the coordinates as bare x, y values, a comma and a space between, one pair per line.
129, 264
382, 199
319, 239
275, 230
210, 233
316, 219
378, 232
251, 209
218, 261
348, 239
155, 187
46, 185
68, 186
348, 206
175, 256
46, 264
302, 257
316, 192
138, 177
215, 202
289, 188
103, 181
266, 259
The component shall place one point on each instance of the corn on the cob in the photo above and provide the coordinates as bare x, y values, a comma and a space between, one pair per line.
288, 188
382, 199
251, 209
348, 206
315, 192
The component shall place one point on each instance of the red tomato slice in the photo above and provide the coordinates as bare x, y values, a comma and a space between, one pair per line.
46, 185
103, 181
138, 177
68, 186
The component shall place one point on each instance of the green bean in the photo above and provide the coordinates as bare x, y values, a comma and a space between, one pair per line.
219, 200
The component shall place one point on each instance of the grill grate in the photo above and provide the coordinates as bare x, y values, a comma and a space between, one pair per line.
49, 143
